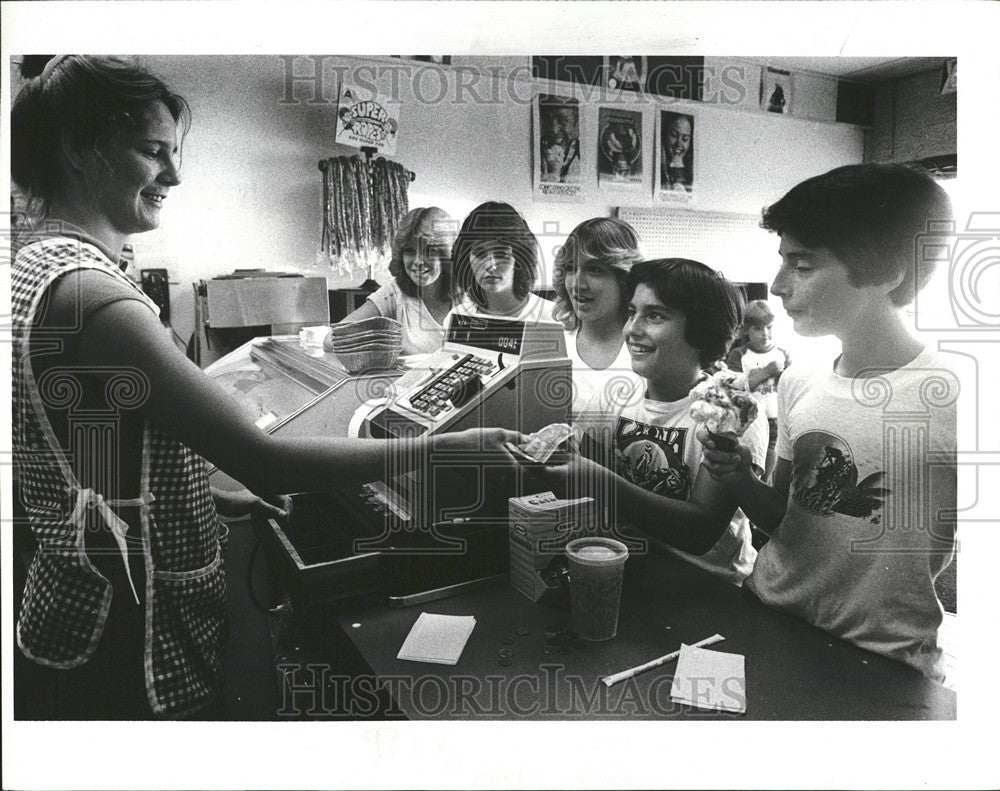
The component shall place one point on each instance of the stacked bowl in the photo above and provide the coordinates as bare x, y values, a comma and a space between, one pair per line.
366, 345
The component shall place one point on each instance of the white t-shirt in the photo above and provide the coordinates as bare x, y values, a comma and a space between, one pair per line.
590, 385
535, 309
421, 332
857, 552
766, 392
655, 447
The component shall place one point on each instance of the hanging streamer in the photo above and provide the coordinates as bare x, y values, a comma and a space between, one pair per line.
363, 202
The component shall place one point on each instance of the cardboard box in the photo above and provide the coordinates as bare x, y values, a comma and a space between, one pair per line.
540, 527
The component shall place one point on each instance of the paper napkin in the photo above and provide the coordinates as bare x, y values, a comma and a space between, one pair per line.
710, 680
437, 638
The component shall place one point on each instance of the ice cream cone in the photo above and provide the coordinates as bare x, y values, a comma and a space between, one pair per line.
722, 442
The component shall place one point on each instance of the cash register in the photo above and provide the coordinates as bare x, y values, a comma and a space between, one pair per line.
441, 528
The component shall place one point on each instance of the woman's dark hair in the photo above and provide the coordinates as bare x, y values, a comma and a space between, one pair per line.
498, 222
872, 218
711, 305
422, 229
90, 98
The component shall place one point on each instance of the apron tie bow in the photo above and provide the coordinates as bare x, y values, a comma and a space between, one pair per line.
88, 499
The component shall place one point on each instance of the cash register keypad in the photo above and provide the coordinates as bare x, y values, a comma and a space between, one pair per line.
436, 397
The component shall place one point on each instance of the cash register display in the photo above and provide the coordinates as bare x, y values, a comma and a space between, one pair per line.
490, 334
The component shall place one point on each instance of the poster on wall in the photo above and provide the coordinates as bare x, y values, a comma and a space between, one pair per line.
949, 76
619, 148
625, 72
556, 126
675, 154
366, 119
775, 90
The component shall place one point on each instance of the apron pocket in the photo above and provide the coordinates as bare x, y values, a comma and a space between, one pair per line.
186, 633
63, 612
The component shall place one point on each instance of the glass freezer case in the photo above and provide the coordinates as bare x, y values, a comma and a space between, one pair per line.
277, 380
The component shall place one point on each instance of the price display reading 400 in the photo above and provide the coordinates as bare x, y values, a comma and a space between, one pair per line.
497, 335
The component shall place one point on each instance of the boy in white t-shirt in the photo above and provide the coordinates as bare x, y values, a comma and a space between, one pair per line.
861, 512
681, 318
763, 363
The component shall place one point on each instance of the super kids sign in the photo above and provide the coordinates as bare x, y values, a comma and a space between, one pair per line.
366, 121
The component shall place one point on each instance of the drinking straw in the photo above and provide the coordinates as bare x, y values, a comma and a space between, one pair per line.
634, 671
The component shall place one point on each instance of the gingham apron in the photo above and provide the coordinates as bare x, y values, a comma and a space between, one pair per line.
66, 599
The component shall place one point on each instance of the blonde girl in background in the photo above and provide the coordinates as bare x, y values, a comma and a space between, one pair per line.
419, 295
589, 280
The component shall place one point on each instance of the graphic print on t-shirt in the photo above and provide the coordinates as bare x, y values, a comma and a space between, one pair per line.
769, 385
652, 457
825, 478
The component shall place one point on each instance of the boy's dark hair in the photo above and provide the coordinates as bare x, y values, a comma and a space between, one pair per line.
870, 217
712, 306
498, 222
758, 314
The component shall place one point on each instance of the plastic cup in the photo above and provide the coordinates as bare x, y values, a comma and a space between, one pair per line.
596, 569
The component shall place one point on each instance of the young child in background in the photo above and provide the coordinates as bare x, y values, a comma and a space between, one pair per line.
681, 319
861, 513
763, 363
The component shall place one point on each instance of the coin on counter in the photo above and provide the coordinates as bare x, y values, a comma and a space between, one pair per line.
505, 661
523, 631
506, 653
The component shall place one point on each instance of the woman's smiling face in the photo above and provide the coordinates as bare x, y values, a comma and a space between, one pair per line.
678, 140
143, 167
422, 262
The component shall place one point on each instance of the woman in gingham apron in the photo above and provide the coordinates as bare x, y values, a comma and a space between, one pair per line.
123, 613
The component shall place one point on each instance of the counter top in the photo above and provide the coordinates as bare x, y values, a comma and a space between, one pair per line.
509, 670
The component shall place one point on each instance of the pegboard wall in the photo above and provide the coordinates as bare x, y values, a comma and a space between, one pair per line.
735, 244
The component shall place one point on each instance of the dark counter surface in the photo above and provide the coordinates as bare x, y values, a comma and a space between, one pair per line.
509, 669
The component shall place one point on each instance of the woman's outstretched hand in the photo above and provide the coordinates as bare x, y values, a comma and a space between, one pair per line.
486, 440
242, 503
